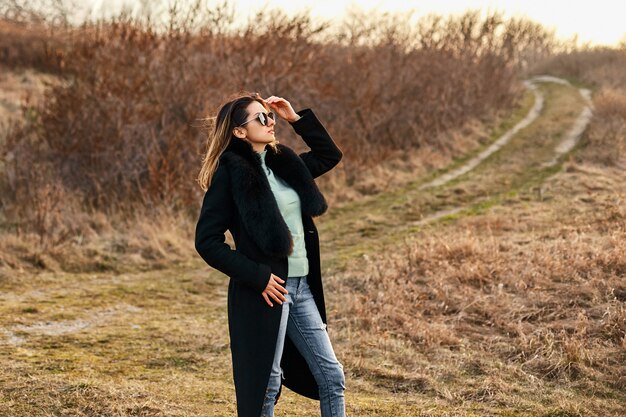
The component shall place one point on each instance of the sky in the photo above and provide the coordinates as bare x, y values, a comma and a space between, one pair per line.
599, 22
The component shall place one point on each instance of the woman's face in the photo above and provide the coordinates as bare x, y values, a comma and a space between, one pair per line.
257, 134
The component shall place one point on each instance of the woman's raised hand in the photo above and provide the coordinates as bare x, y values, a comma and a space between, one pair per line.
274, 290
282, 108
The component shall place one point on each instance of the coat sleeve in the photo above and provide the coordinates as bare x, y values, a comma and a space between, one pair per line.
215, 218
324, 153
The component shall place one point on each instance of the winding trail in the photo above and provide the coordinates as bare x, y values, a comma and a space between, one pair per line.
567, 144
497, 145
519, 159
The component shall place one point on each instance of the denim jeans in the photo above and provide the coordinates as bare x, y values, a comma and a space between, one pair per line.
301, 321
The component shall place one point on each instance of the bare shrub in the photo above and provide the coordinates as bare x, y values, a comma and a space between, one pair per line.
32, 33
124, 122
120, 131
599, 66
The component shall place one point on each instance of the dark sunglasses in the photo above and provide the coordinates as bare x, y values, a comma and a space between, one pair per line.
263, 118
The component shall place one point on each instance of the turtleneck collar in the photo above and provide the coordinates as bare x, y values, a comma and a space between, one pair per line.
262, 156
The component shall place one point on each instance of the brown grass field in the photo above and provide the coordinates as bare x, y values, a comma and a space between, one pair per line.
499, 293
513, 307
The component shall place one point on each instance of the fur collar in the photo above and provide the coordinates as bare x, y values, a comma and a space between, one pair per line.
255, 200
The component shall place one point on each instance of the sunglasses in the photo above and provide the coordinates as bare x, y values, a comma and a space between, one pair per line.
263, 118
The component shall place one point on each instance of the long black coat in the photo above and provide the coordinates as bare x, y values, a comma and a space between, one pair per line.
240, 199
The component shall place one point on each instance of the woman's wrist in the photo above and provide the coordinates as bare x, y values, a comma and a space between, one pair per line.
298, 117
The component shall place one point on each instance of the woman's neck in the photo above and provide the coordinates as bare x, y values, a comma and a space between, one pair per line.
258, 147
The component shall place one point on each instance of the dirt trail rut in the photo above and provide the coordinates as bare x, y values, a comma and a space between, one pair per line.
521, 157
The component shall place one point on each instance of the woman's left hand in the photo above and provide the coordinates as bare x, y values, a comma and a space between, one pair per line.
282, 108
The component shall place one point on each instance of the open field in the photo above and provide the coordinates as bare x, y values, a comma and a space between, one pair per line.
511, 306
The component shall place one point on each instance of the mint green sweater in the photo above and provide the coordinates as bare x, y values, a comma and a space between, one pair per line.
289, 205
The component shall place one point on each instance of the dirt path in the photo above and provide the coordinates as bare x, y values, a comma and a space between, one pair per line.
514, 163
566, 145
568, 142
497, 145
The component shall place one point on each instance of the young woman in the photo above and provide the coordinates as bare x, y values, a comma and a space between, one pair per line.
265, 194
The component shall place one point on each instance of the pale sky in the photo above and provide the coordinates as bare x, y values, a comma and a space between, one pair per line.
598, 21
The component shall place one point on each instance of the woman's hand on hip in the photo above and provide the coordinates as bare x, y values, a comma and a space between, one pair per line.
282, 108
274, 290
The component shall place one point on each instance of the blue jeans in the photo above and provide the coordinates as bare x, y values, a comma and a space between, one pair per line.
301, 321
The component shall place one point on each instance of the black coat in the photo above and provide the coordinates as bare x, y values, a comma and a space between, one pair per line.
240, 199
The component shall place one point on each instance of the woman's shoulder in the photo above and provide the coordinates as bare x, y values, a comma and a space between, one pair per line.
220, 178
222, 172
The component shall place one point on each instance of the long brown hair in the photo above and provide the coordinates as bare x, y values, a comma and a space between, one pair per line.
232, 114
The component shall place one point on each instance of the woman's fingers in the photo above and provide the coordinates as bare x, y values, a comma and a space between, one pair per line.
276, 284
275, 291
280, 290
277, 101
277, 296
279, 287
277, 278
281, 107
267, 300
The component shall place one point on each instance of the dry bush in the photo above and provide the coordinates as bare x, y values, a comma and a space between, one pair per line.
32, 33
120, 132
23, 45
33, 201
124, 123
403, 85
598, 66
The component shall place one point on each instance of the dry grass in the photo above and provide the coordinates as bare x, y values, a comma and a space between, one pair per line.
361, 226
142, 344
99, 242
515, 308
605, 141
516, 311
107, 344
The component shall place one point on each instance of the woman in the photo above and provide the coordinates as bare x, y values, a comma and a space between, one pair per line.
264, 193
